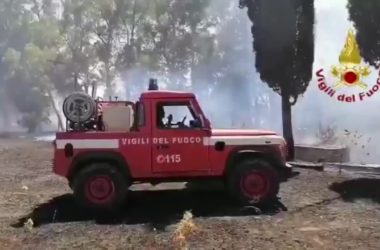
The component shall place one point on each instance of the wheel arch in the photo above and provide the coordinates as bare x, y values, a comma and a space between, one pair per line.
82, 160
241, 154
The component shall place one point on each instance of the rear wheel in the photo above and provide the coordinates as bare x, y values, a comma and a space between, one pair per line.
253, 182
100, 186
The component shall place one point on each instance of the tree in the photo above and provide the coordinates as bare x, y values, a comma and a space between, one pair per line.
110, 15
137, 56
177, 37
164, 38
224, 69
24, 90
77, 64
283, 33
30, 85
12, 35
365, 16
29, 66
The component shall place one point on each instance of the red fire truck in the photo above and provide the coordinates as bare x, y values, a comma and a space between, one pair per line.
163, 137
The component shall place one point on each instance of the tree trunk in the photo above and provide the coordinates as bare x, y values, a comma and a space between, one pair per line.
94, 89
287, 125
86, 89
108, 92
76, 84
56, 111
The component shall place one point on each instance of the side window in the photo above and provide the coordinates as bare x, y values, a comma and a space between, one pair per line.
175, 115
140, 115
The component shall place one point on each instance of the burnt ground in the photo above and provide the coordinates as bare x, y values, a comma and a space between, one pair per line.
324, 211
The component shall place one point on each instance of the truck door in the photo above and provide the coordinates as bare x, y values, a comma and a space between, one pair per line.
177, 146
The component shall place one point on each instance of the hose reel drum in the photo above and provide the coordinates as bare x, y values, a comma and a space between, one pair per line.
79, 107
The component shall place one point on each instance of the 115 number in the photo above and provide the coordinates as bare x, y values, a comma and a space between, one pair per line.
161, 159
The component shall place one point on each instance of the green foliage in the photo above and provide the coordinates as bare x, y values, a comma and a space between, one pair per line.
28, 82
110, 14
365, 16
56, 46
283, 34
180, 39
284, 45
77, 56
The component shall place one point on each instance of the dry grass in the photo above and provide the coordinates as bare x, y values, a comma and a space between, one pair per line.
185, 228
29, 224
323, 223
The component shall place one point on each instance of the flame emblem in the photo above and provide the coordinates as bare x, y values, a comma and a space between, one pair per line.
350, 71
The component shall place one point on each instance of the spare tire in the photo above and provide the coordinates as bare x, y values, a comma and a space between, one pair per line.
79, 107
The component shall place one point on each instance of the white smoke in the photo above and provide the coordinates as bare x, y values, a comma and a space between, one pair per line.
250, 103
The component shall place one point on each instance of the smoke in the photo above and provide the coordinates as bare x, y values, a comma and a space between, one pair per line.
233, 96
359, 118
241, 99
9, 115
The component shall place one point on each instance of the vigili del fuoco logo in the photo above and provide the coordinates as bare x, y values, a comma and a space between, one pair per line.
350, 74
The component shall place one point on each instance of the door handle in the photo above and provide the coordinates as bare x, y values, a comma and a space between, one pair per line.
162, 146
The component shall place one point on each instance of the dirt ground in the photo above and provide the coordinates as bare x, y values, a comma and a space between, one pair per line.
324, 211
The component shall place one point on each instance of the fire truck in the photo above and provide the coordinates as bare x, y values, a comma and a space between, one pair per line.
163, 137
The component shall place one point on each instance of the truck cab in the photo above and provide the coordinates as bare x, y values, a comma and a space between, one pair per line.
164, 136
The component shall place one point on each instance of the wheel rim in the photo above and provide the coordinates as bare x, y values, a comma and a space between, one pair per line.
255, 185
100, 189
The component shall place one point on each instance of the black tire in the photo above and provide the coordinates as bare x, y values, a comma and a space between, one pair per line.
249, 173
100, 186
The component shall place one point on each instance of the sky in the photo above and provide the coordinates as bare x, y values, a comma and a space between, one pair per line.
358, 118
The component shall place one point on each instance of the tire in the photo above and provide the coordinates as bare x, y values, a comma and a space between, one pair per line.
100, 186
253, 182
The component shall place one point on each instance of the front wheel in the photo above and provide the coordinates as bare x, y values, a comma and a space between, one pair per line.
253, 182
100, 186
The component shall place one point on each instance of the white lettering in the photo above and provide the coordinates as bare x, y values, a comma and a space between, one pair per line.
186, 140
161, 140
135, 141
124, 141
155, 140
160, 159
168, 159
